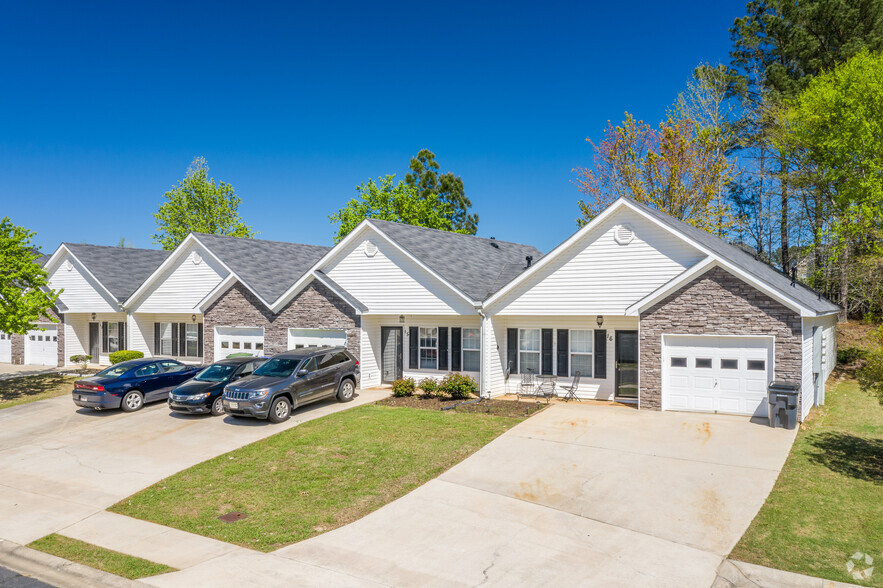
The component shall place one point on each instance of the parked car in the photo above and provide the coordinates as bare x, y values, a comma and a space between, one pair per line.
203, 394
131, 384
293, 379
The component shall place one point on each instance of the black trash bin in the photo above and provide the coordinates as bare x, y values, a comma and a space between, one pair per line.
782, 409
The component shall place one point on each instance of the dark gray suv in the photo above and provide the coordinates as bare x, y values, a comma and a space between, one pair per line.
293, 379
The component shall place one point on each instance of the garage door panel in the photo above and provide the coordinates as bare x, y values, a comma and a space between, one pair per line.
5, 348
41, 346
235, 340
303, 338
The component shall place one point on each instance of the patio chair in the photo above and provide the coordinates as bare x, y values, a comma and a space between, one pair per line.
571, 390
528, 385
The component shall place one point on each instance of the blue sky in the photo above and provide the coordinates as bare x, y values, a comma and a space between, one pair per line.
294, 104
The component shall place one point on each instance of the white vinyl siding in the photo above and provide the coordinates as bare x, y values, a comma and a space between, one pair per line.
529, 351
389, 282
183, 285
581, 342
596, 275
81, 292
141, 327
808, 392
76, 334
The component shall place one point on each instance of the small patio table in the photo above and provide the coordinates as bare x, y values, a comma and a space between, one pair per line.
546, 385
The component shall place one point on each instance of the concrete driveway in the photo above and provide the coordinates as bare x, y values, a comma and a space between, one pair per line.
60, 464
8, 370
575, 496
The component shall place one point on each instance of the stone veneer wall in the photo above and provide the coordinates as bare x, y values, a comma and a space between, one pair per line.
717, 303
17, 342
316, 307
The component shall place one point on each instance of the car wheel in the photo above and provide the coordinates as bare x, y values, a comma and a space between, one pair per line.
280, 410
132, 401
346, 391
218, 406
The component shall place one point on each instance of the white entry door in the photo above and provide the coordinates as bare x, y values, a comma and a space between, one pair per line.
707, 373
300, 338
236, 340
5, 348
41, 346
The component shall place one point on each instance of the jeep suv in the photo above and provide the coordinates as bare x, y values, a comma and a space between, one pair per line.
293, 379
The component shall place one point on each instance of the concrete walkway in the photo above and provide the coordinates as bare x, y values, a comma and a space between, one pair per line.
575, 496
9, 370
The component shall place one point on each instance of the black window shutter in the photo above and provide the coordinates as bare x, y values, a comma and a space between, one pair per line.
182, 339
156, 345
600, 353
199, 346
456, 348
547, 351
413, 349
563, 352
443, 348
121, 329
104, 337
512, 350
174, 339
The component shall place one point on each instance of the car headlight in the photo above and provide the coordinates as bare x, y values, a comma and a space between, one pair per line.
258, 393
202, 396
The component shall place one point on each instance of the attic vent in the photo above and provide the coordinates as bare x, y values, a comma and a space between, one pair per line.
196, 258
68, 266
624, 234
370, 249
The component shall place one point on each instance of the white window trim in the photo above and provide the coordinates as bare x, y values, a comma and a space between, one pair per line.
538, 353
571, 353
421, 347
464, 350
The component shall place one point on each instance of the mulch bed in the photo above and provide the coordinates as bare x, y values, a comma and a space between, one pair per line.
493, 406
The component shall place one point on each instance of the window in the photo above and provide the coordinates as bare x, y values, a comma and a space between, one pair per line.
471, 350
151, 369
191, 340
729, 364
756, 365
277, 368
259, 346
581, 342
310, 365
678, 362
170, 367
428, 348
165, 338
225, 345
235, 344
246, 344
529, 351
703, 362
113, 338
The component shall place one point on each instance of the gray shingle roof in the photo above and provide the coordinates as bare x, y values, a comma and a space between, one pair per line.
119, 269
267, 267
744, 260
476, 266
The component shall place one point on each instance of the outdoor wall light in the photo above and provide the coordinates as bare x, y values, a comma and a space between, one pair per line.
402, 318
600, 321
93, 316
193, 317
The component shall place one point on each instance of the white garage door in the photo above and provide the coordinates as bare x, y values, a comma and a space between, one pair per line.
716, 374
41, 346
300, 338
234, 340
5, 348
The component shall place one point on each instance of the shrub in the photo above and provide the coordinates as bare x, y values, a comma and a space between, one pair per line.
124, 355
870, 375
403, 387
83, 359
458, 386
429, 387
850, 355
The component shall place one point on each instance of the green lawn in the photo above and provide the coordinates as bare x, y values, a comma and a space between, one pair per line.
828, 501
315, 477
17, 391
100, 558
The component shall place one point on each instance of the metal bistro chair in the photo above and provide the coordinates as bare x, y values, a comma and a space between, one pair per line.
571, 390
528, 385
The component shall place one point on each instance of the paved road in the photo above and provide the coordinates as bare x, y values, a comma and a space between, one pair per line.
10, 579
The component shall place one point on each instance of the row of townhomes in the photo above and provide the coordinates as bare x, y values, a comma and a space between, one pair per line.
646, 308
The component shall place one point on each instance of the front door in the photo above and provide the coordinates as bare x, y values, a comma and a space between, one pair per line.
626, 365
391, 354
94, 341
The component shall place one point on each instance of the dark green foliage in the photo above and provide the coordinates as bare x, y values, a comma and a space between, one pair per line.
458, 386
403, 387
25, 296
124, 355
83, 359
426, 179
429, 386
850, 355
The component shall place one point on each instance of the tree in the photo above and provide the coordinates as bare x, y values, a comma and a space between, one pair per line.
198, 204
385, 199
677, 167
425, 178
25, 295
833, 129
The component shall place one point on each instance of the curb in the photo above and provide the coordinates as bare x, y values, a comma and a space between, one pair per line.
739, 574
55, 570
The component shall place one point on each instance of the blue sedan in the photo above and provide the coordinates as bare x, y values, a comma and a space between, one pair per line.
131, 384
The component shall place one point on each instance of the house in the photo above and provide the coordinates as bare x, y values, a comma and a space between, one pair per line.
654, 311
95, 281
212, 297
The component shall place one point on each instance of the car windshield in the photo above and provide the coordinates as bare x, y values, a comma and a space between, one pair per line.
215, 373
278, 367
115, 371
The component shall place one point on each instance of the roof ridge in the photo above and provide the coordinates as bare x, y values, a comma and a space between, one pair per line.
68, 243
261, 240
487, 239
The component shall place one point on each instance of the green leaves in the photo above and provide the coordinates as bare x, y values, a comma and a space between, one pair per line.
198, 204
25, 295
